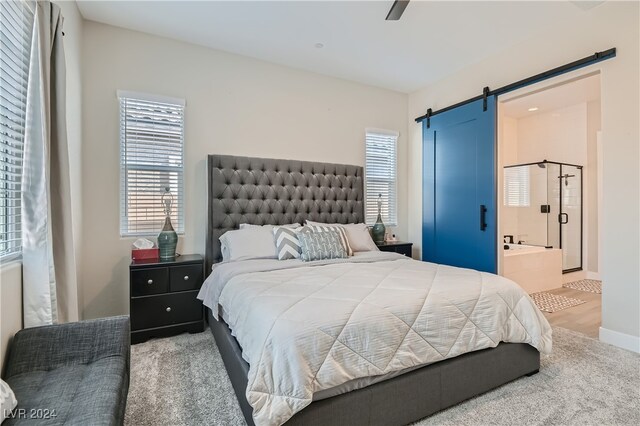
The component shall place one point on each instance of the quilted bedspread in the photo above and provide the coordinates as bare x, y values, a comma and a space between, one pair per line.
309, 327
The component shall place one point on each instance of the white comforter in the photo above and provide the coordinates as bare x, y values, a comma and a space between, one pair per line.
306, 327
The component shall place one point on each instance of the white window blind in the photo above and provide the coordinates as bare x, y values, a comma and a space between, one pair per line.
152, 159
381, 175
16, 23
516, 187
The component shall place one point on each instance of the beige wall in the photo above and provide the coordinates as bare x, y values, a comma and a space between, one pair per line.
11, 274
10, 305
508, 155
591, 182
613, 24
234, 105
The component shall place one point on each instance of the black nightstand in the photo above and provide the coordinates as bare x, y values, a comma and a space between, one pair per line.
396, 246
163, 297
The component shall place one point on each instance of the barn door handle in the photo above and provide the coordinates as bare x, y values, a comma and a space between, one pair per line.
566, 218
483, 217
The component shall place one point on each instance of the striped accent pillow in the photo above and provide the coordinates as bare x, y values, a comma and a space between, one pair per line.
287, 242
321, 245
331, 227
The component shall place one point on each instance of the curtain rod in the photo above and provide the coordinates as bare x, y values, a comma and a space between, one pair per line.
580, 63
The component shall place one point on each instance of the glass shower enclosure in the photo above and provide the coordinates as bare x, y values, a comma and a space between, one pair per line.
543, 207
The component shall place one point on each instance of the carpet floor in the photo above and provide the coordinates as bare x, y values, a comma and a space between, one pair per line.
181, 380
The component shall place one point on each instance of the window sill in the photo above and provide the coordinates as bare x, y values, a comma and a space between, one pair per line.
11, 259
10, 262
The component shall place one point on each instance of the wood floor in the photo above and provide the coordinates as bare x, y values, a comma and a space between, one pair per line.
583, 318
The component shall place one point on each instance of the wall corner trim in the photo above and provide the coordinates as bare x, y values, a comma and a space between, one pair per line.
621, 340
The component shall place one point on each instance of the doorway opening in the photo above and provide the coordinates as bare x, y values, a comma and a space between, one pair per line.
549, 191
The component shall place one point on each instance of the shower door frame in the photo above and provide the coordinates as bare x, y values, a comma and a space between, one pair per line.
578, 268
581, 168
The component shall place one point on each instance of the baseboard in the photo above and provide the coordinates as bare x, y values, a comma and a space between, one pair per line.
593, 276
621, 340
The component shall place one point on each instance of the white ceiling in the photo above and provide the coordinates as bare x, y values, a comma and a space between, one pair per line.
432, 40
581, 90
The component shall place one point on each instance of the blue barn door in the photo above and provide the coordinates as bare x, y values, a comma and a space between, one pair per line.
459, 187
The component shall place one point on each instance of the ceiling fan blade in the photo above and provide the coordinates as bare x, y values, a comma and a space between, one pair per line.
397, 10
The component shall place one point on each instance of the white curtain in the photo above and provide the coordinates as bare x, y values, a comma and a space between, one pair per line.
48, 263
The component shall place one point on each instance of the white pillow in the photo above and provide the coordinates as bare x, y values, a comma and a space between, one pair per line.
7, 400
226, 256
357, 234
224, 250
248, 243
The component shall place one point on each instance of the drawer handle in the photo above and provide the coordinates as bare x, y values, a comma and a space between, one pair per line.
150, 282
186, 277
168, 308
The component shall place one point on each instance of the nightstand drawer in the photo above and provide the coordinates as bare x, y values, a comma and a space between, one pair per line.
397, 247
404, 249
166, 309
187, 277
149, 281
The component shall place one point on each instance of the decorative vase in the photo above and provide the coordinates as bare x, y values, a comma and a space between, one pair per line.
167, 240
378, 230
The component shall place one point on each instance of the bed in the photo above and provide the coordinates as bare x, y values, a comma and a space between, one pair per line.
373, 339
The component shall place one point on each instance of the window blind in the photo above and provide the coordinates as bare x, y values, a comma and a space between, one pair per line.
152, 159
16, 23
381, 176
516, 187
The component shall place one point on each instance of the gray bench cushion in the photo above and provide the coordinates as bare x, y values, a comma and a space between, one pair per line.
79, 370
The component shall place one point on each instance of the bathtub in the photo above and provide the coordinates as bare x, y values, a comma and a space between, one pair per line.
533, 268
521, 248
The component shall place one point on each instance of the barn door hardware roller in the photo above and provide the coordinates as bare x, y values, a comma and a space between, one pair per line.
485, 94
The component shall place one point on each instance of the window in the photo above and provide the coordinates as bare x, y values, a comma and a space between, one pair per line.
151, 160
516, 187
381, 175
16, 19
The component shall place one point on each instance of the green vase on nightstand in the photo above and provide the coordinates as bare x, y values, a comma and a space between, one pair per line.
378, 230
167, 240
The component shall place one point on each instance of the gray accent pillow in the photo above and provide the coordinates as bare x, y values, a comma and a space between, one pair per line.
321, 245
321, 227
287, 242
358, 235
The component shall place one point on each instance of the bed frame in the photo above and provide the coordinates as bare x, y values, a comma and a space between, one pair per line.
268, 191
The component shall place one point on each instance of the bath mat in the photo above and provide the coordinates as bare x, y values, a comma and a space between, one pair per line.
548, 302
592, 286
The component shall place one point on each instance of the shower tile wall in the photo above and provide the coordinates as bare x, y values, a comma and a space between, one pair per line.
560, 135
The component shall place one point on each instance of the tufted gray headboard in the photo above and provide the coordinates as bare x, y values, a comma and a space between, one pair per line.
267, 191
